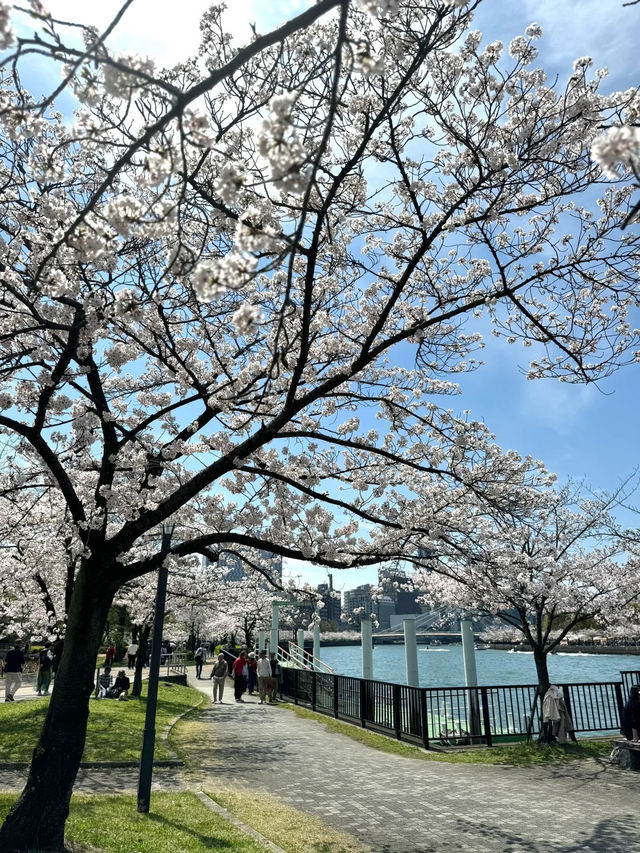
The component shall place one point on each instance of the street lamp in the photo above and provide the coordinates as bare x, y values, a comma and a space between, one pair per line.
149, 736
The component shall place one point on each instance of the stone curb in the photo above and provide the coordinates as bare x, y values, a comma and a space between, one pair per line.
248, 830
172, 723
98, 765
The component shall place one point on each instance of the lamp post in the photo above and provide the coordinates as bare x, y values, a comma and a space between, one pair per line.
149, 736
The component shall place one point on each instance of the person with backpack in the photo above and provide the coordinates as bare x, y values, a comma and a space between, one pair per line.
200, 658
45, 663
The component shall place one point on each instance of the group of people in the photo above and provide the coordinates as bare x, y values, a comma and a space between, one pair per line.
13, 665
108, 688
248, 673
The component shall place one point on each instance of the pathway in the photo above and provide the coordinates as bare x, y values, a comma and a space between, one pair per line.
401, 805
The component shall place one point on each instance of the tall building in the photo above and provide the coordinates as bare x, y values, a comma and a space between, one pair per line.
360, 597
398, 587
331, 610
234, 566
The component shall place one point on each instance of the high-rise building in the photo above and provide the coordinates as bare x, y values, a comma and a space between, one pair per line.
331, 610
397, 586
235, 570
360, 597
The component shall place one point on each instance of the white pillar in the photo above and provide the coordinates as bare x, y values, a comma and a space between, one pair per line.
469, 653
367, 647
301, 644
470, 675
316, 642
273, 644
411, 652
261, 640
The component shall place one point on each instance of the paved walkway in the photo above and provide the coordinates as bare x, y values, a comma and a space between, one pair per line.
401, 805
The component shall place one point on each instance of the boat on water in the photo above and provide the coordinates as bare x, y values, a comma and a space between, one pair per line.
481, 647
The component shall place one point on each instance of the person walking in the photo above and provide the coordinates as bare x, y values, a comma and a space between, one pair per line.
110, 656
275, 677
240, 673
13, 663
264, 676
132, 651
219, 675
45, 662
200, 658
252, 663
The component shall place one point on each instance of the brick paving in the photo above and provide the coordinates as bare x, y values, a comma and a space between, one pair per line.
401, 805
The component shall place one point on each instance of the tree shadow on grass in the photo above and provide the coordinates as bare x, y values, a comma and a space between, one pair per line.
208, 841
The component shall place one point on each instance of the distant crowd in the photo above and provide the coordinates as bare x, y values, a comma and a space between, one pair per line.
250, 674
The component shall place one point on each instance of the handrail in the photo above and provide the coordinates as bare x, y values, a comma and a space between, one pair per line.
307, 660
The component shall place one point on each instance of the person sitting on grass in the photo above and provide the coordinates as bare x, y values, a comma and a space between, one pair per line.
104, 682
121, 685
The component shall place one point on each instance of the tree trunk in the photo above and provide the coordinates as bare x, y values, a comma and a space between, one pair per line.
141, 659
540, 658
37, 820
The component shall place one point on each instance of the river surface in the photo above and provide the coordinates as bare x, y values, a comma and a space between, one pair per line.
442, 666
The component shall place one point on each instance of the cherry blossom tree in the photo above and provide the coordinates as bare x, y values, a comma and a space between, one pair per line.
216, 277
544, 572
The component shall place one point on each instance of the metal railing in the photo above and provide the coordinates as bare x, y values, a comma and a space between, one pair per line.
452, 715
302, 659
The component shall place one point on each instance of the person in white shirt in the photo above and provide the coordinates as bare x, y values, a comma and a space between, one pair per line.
132, 651
264, 676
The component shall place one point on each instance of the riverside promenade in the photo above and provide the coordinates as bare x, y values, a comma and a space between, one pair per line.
394, 804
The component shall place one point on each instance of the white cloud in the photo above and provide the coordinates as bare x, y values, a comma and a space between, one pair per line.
555, 405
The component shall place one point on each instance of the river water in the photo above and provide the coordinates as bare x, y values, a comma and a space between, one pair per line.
442, 666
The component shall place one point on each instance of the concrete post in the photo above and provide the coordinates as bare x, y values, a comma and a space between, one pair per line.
411, 652
316, 643
261, 640
273, 644
469, 653
470, 675
367, 647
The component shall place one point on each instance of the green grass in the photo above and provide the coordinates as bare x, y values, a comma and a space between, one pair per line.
518, 754
285, 826
177, 823
114, 731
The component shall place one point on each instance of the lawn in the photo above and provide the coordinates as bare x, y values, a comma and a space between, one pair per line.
177, 823
518, 754
290, 829
114, 732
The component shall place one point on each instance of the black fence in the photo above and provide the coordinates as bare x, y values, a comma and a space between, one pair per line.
454, 715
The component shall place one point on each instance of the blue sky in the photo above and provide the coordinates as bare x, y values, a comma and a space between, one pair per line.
580, 432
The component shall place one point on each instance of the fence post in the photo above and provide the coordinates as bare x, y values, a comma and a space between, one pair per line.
363, 702
314, 690
486, 721
336, 706
567, 699
619, 701
397, 712
424, 719
296, 673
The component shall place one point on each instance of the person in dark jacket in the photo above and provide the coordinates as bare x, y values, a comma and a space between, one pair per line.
13, 663
45, 662
630, 723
